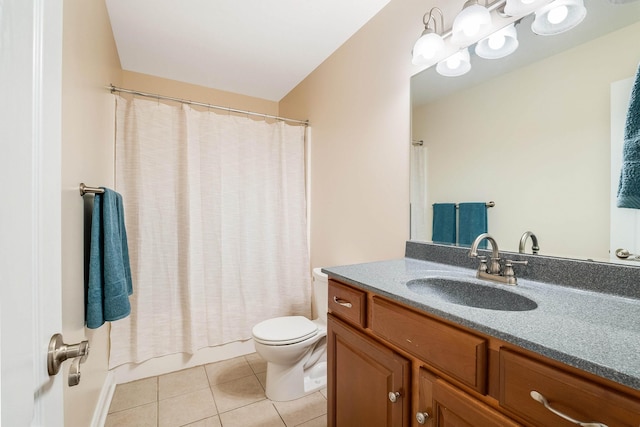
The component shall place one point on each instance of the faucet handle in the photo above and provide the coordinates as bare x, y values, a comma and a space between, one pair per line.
483, 263
510, 262
508, 267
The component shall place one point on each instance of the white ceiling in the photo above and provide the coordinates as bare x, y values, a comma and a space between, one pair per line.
260, 48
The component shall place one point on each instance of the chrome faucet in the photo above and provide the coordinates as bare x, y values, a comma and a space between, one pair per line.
534, 241
494, 270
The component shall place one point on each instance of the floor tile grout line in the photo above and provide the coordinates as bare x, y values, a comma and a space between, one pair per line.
218, 414
278, 412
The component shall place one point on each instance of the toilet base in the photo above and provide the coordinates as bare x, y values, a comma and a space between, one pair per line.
283, 382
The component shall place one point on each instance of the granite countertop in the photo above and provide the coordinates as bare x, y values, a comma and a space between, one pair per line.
595, 332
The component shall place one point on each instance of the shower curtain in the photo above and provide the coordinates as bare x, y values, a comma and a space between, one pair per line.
216, 219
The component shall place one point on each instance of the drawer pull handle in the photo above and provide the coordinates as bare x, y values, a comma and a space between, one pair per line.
541, 399
394, 396
342, 302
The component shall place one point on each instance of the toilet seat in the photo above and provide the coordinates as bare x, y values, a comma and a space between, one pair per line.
284, 330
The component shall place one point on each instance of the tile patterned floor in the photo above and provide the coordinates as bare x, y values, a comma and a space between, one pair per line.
229, 393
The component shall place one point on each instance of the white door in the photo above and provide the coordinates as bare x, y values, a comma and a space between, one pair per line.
625, 223
30, 267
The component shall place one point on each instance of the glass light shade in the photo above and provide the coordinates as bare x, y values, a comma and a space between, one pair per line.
499, 44
558, 16
428, 49
472, 23
522, 7
456, 65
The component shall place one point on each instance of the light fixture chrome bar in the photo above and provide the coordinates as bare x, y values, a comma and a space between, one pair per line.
115, 89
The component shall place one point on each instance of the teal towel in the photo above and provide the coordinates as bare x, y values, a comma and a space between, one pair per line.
444, 223
109, 271
629, 186
472, 222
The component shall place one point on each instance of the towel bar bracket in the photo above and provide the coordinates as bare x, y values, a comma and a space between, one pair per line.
84, 189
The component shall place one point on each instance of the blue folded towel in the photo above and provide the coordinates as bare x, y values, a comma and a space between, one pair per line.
471, 223
629, 186
109, 271
444, 223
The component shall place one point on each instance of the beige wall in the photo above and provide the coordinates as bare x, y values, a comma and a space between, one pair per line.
89, 63
176, 89
537, 142
359, 107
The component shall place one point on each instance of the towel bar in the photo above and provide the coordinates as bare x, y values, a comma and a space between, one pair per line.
489, 204
93, 190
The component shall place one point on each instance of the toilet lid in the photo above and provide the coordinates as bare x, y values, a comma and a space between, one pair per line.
284, 330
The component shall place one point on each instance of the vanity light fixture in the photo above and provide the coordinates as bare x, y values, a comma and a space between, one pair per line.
473, 22
473, 25
456, 65
522, 7
558, 16
429, 48
499, 44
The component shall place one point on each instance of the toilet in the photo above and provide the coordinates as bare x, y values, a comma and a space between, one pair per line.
295, 348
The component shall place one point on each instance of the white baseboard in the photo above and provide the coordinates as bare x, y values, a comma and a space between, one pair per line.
104, 401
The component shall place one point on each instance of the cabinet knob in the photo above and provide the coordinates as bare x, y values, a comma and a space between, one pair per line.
422, 417
394, 396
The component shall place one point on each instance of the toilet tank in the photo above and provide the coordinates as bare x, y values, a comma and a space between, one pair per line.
320, 295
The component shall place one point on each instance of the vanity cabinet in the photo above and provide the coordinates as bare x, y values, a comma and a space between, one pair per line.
394, 365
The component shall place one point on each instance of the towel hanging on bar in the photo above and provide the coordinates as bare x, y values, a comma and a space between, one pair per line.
110, 284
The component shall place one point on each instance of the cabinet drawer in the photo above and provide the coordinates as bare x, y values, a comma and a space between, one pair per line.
457, 353
572, 395
347, 303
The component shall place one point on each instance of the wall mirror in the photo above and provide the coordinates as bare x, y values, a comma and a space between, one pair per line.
531, 131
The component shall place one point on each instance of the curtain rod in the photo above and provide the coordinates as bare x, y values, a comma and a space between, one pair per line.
115, 89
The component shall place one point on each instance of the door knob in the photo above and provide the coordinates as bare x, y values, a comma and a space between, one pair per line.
59, 352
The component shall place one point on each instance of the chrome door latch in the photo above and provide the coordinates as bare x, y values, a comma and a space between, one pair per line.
59, 352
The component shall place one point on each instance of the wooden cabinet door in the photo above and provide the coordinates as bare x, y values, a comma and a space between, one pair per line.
361, 375
446, 406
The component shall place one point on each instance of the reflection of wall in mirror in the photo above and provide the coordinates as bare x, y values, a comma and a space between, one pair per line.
537, 142
625, 223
